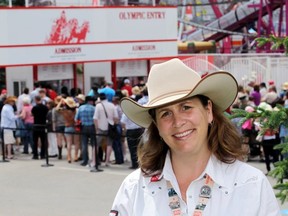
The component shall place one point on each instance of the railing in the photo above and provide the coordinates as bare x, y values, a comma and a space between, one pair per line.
45, 128
245, 67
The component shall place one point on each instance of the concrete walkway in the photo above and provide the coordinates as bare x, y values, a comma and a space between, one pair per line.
28, 189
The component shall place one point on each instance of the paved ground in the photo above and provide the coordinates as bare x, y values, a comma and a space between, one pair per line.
28, 189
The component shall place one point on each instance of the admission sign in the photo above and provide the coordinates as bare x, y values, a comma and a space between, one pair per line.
67, 35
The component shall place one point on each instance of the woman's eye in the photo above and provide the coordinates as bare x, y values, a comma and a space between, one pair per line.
185, 107
165, 114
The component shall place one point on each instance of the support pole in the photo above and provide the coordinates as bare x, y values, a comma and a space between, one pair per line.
46, 150
3, 147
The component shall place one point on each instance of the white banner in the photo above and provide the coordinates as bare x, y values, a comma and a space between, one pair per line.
85, 53
131, 68
49, 72
55, 35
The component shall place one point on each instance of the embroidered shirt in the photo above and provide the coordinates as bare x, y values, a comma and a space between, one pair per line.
239, 189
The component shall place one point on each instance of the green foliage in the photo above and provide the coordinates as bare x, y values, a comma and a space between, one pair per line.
275, 42
271, 120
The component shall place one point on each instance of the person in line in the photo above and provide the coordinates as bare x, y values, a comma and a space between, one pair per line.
8, 123
58, 125
117, 142
127, 86
51, 135
189, 156
85, 116
39, 111
94, 91
35, 92
133, 134
102, 109
69, 112
19, 103
28, 119
108, 91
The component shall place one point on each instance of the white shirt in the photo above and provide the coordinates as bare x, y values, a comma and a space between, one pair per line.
100, 116
8, 118
19, 102
129, 125
239, 189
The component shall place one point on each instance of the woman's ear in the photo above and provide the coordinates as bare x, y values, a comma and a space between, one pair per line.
210, 111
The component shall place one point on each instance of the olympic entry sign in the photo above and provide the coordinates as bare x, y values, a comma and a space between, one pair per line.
67, 35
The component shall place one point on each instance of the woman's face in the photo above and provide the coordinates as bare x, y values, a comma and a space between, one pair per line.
184, 125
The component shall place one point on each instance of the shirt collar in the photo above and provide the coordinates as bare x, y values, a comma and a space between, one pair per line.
214, 169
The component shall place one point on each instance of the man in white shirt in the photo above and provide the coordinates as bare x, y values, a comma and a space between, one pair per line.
105, 112
19, 103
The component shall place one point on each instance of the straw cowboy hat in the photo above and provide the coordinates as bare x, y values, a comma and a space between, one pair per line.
69, 101
285, 86
58, 99
173, 81
10, 99
81, 97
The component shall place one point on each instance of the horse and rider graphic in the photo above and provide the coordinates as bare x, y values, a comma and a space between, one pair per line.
67, 31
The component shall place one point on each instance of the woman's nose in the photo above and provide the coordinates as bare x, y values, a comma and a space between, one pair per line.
178, 121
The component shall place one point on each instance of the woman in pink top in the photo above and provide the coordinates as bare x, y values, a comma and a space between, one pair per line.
28, 118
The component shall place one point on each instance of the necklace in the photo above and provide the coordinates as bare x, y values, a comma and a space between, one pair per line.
204, 196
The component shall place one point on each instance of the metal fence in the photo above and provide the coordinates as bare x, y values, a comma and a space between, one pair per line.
245, 67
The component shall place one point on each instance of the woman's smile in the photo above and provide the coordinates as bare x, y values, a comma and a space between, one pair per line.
183, 135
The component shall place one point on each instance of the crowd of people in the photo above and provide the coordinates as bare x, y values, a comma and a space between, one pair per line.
42, 123
256, 142
74, 121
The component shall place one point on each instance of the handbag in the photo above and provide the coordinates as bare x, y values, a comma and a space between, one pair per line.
112, 128
20, 131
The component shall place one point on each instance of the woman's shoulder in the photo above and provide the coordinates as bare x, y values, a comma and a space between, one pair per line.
245, 173
133, 178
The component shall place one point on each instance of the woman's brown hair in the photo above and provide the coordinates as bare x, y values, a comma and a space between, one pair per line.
223, 141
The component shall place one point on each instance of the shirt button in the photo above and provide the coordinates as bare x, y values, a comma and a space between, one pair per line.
153, 192
190, 197
226, 192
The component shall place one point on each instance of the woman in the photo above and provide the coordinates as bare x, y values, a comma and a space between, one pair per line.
190, 154
51, 135
28, 118
8, 124
58, 125
68, 112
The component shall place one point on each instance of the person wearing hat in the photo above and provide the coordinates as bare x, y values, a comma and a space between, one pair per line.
80, 100
127, 86
8, 122
58, 125
189, 155
69, 111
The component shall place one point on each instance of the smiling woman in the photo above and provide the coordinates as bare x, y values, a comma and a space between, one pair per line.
190, 159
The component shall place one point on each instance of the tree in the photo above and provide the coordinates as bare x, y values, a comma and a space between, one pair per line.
275, 42
271, 120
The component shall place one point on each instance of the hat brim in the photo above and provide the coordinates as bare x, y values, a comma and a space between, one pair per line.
220, 87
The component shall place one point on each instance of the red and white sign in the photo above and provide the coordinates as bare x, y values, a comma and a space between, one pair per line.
60, 35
